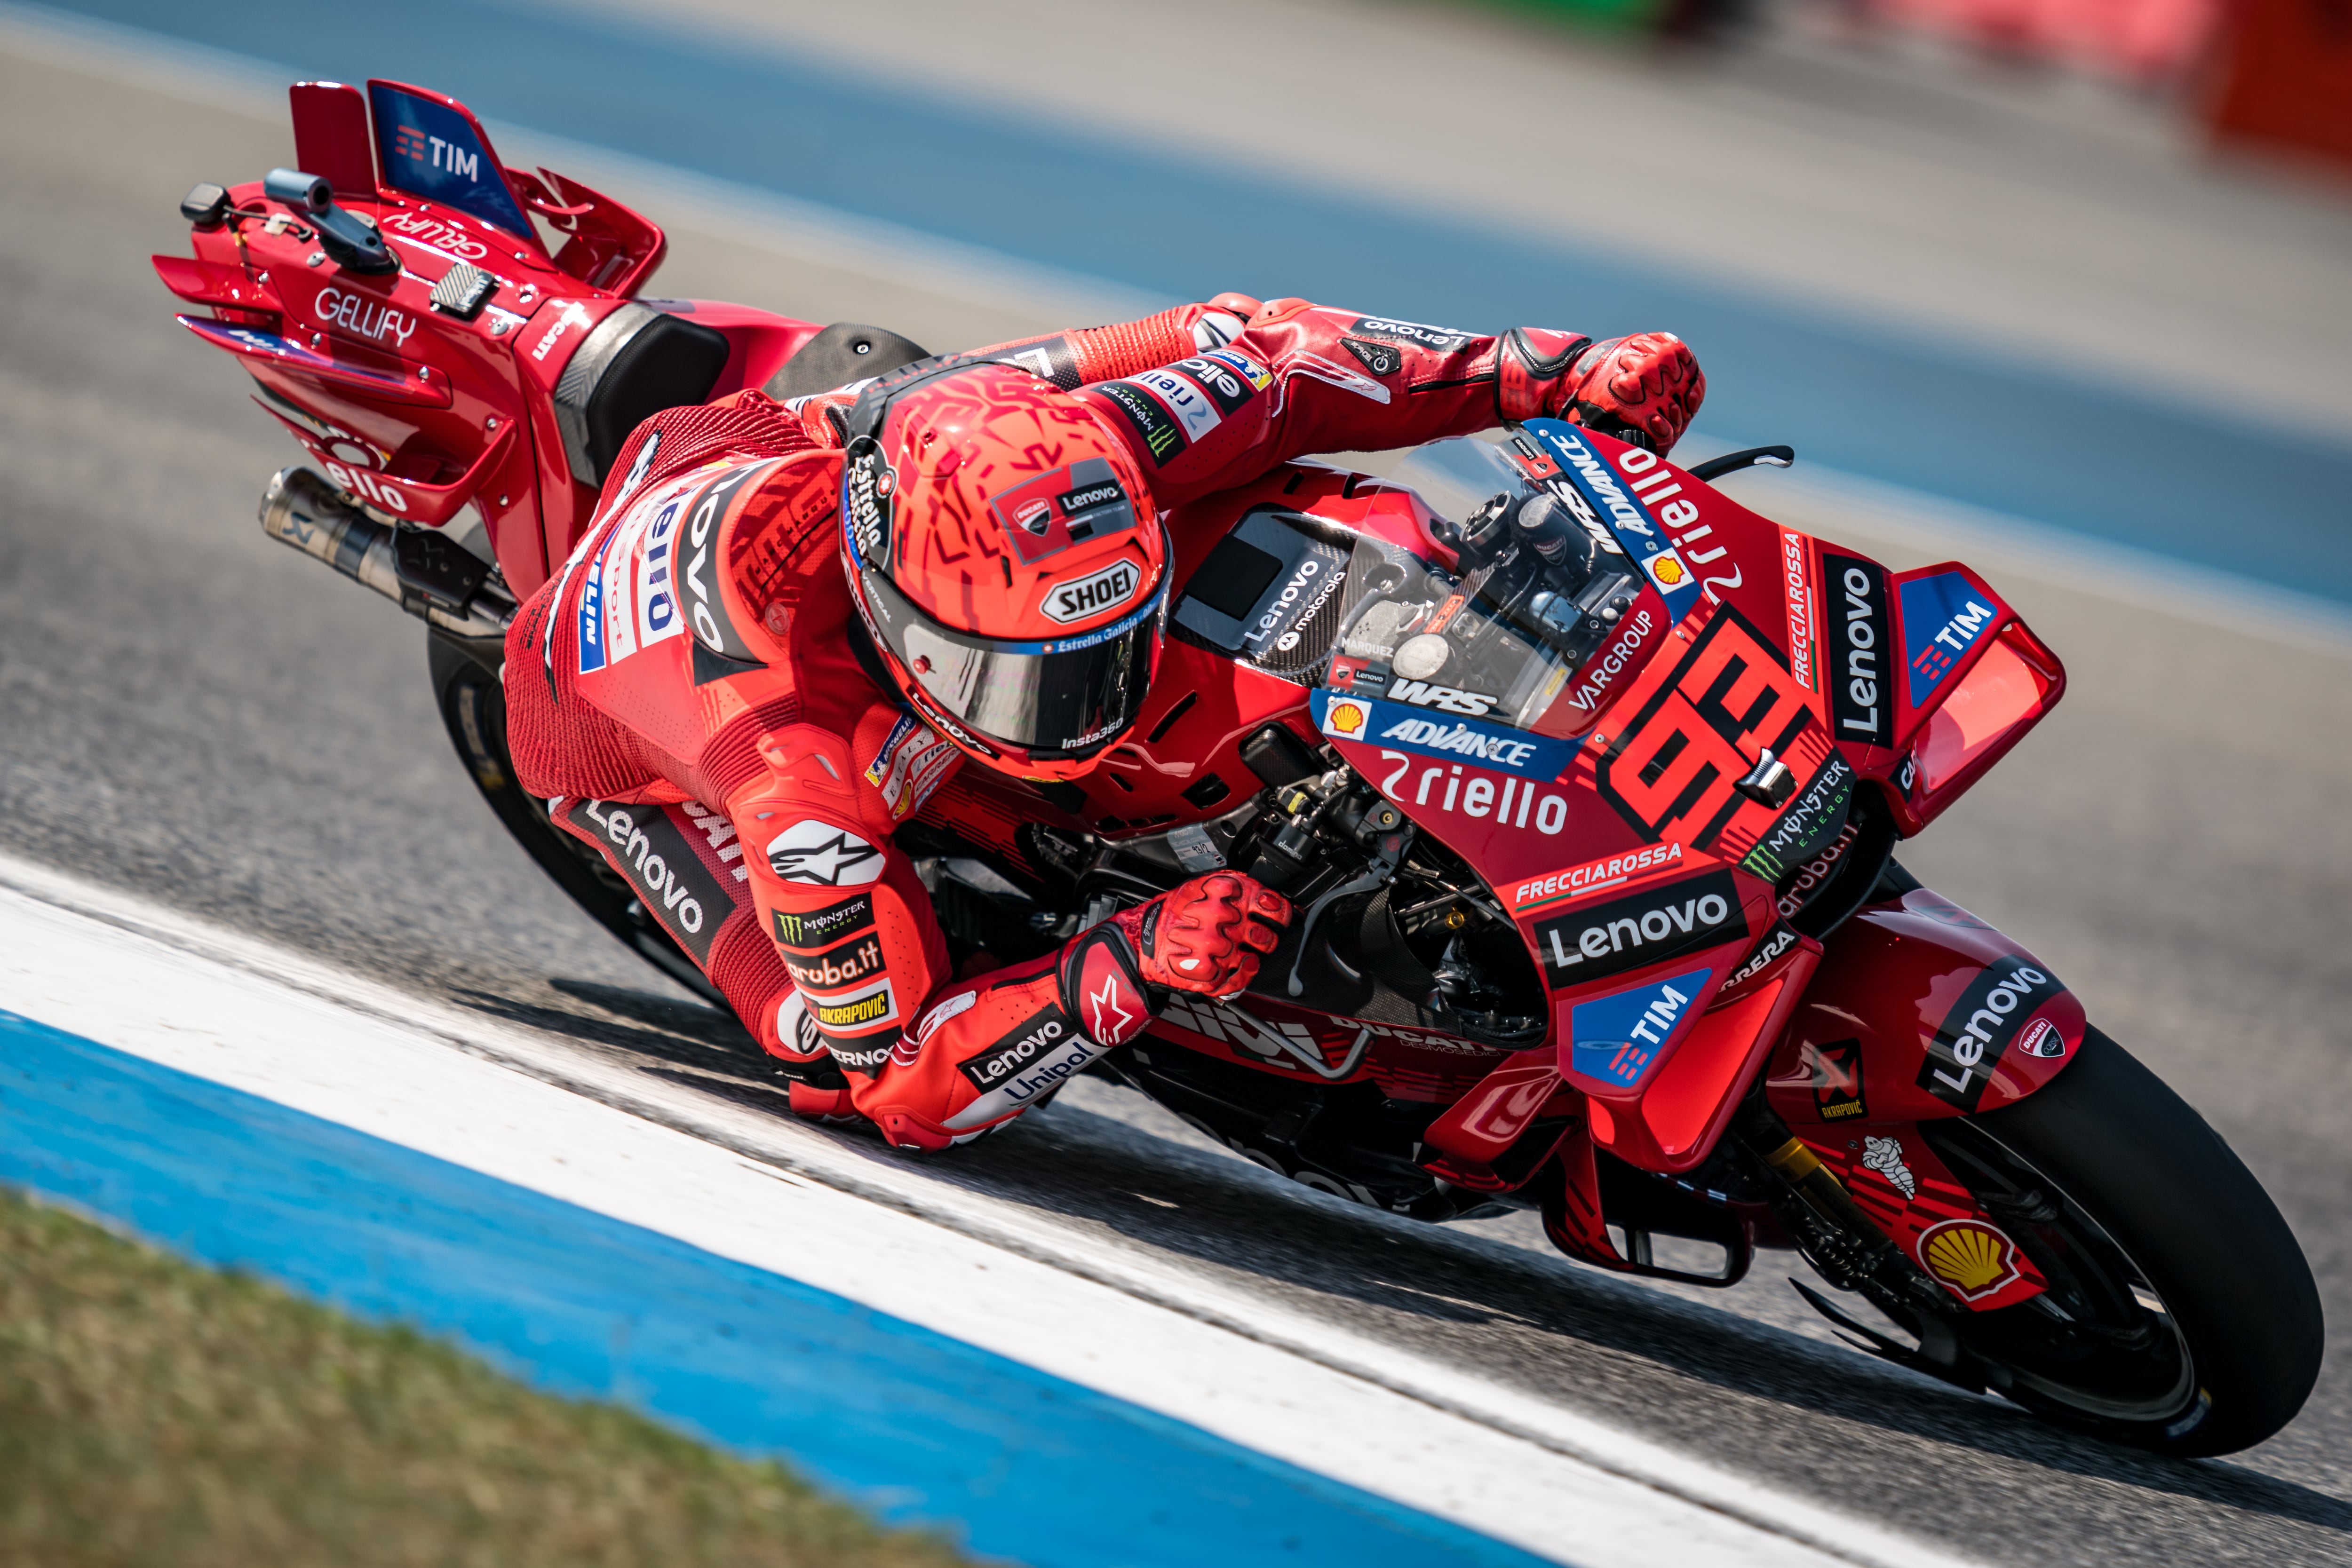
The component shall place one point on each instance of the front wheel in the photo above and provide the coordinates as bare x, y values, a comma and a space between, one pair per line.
2182, 1317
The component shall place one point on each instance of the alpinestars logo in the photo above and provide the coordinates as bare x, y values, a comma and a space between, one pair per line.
822, 855
1107, 1000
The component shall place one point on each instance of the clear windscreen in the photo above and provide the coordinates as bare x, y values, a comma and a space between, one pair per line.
1536, 590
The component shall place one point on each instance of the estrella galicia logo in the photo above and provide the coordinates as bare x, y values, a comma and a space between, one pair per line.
1394, 724
1645, 928
1942, 618
1618, 1040
1976, 1030
866, 484
1862, 696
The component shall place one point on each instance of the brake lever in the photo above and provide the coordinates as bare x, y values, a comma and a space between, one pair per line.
1375, 875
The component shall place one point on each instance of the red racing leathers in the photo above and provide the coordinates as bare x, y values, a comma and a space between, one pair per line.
687, 694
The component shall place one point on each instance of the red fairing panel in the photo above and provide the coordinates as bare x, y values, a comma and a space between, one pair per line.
1920, 1010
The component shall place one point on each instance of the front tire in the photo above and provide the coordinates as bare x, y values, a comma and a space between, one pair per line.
2186, 1318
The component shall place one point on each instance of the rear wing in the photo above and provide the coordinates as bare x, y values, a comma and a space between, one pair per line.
399, 140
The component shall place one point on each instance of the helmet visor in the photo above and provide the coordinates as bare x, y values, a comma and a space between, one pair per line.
1069, 697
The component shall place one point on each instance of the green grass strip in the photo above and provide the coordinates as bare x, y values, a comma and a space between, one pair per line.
152, 1412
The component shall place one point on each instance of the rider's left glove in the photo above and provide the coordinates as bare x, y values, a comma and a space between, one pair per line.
1645, 389
1207, 935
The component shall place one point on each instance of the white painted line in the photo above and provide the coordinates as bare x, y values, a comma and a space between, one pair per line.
848, 1217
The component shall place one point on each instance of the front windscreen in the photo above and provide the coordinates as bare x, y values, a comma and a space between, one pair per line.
1534, 591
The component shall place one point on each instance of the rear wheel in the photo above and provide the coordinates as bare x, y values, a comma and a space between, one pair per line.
2181, 1316
474, 709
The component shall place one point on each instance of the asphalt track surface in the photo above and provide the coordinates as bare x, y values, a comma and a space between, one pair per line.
191, 713
2158, 444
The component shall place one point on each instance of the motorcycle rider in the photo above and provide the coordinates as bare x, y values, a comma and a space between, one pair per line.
792, 623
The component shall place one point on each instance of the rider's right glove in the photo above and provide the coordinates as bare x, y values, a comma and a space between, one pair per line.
1206, 935
1645, 389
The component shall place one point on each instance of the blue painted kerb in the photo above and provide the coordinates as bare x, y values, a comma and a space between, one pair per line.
920, 1427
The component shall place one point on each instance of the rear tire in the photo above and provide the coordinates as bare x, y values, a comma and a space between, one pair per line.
2193, 1326
474, 709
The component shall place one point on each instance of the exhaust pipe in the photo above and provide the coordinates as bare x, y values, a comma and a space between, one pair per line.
427, 575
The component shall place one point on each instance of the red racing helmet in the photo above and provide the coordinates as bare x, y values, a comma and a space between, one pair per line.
1005, 553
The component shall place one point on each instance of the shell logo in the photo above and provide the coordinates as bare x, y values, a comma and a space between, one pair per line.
1969, 1255
1669, 569
1344, 717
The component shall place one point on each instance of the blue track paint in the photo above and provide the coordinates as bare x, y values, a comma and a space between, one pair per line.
1988, 429
924, 1428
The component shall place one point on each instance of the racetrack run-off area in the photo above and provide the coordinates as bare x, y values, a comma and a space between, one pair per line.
222, 744
778, 1291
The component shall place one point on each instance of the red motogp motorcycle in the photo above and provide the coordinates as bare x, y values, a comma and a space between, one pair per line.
1585, 781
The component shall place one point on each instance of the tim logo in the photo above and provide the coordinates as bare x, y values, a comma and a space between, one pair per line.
411, 142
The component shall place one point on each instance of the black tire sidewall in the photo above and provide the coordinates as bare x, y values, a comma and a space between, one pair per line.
472, 702
2180, 1202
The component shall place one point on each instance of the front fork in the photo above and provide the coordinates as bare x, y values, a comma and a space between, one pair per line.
1852, 1252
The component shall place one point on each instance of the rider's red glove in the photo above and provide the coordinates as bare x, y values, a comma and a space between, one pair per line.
1645, 388
1206, 934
